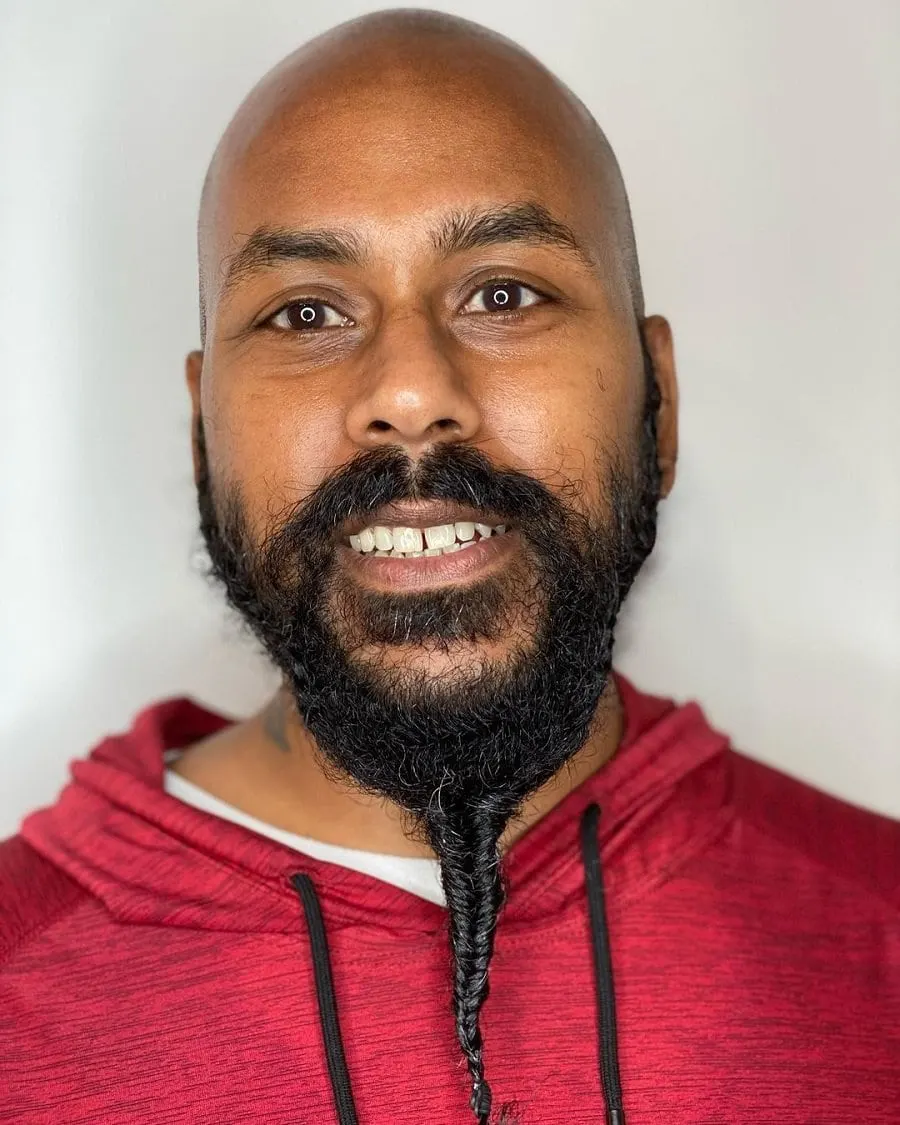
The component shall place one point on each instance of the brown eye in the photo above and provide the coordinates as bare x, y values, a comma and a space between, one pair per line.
305, 315
502, 296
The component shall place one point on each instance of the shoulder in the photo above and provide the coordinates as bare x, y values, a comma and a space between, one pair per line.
854, 845
34, 893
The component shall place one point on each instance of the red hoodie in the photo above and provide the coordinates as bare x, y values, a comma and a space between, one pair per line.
155, 961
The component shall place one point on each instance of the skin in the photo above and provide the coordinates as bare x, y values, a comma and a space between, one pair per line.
381, 131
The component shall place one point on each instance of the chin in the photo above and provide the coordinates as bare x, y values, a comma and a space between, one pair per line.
451, 664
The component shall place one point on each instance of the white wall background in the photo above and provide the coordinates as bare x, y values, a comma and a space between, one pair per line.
761, 145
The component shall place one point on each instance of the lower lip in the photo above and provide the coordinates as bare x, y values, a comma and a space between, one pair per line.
433, 570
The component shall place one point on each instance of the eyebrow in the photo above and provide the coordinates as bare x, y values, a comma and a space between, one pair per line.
460, 231
269, 246
528, 223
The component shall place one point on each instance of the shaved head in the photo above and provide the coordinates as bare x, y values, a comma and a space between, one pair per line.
415, 65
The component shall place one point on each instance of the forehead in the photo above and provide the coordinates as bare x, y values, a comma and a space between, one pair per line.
391, 153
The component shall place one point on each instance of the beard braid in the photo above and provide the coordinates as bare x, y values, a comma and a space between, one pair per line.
467, 841
461, 760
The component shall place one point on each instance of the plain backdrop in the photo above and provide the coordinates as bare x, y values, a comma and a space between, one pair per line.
761, 146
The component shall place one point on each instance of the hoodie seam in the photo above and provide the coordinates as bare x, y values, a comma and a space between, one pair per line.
817, 861
668, 870
57, 916
662, 875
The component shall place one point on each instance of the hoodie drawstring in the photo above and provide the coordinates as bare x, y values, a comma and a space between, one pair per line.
603, 980
331, 1029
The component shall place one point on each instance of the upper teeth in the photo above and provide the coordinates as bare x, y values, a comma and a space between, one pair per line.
446, 537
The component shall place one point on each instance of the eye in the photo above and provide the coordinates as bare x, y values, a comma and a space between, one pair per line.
305, 314
502, 296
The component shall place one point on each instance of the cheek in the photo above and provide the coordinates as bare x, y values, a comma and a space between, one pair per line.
564, 424
273, 446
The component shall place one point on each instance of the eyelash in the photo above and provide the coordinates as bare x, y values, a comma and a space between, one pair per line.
494, 283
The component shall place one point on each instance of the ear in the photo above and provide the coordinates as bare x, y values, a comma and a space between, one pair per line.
193, 370
658, 337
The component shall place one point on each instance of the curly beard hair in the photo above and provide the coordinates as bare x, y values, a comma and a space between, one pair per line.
459, 754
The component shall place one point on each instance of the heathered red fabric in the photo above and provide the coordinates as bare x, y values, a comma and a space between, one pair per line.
156, 965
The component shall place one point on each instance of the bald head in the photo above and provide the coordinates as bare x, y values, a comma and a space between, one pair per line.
387, 85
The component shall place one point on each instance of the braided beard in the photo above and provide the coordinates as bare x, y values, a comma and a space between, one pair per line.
460, 754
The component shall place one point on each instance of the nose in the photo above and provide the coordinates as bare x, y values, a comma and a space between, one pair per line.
414, 391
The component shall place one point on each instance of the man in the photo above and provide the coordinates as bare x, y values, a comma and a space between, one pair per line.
456, 869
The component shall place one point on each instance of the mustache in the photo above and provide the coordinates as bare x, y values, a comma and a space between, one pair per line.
448, 472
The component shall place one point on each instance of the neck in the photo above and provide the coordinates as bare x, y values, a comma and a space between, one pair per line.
269, 767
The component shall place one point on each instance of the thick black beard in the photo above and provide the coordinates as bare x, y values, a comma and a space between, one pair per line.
460, 757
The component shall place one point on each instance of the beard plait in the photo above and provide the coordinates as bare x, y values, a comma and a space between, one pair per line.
467, 838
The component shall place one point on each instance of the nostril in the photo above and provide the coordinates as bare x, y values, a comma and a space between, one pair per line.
379, 426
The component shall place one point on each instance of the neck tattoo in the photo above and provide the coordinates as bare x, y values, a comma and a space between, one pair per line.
275, 723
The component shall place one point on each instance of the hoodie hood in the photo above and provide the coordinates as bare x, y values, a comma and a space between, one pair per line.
152, 859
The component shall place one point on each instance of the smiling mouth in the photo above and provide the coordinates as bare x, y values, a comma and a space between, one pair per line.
439, 554
380, 541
